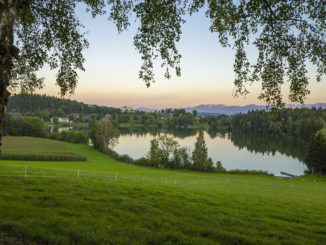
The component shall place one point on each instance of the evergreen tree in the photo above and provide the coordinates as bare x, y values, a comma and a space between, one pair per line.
316, 156
199, 155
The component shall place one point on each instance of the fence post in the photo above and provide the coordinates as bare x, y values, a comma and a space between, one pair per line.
116, 176
78, 173
143, 179
25, 172
175, 181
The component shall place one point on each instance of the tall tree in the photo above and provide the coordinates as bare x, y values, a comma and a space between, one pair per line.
316, 155
286, 34
154, 154
167, 147
104, 135
199, 154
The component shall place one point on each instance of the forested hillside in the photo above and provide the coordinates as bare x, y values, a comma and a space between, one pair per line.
298, 123
33, 103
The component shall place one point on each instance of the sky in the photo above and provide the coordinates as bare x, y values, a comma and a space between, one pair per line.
112, 64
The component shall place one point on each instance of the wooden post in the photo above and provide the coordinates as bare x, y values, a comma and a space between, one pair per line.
78, 173
25, 172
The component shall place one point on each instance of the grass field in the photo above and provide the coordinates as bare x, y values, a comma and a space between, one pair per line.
116, 203
23, 148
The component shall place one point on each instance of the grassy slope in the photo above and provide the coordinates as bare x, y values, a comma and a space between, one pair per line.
198, 209
29, 148
30, 145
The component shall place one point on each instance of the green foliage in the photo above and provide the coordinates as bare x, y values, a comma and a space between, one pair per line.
104, 135
221, 123
166, 153
316, 155
163, 152
297, 123
39, 105
246, 171
55, 119
112, 153
200, 155
219, 167
70, 136
286, 34
25, 126
154, 154
142, 162
185, 158
167, 147
125, 158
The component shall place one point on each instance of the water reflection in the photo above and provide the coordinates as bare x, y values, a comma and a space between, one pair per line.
235, 151
269, 145
143, 131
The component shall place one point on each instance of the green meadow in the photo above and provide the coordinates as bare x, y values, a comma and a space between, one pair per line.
30, 148
103, 201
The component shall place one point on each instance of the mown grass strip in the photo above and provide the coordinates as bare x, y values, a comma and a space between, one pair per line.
42, 157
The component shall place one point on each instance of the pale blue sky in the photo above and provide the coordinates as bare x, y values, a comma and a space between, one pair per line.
112, 64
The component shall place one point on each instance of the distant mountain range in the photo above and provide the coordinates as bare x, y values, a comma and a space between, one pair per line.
230, 110
213, 109
224, 109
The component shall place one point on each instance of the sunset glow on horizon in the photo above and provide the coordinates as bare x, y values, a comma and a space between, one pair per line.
112, 65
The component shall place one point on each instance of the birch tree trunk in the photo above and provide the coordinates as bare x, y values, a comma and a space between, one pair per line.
8, 12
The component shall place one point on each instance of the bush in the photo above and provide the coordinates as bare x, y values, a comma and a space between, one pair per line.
125, 158
247, 171
112, 153
219, 167
141, 161
25, 126
70, 136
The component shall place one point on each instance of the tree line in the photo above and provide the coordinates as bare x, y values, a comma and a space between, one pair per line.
298, 123
46, 107
316, 156
35, 127
165, 152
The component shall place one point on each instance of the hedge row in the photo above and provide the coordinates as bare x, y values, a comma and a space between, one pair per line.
42, 157
247, 171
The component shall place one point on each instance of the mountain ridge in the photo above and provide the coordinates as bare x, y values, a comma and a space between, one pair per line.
234, 109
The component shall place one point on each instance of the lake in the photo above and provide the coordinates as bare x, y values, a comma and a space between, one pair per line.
234, 151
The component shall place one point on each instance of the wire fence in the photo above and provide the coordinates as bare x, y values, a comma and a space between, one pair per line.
29, 172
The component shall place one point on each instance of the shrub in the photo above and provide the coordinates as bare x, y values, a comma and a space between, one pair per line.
219, 167
125, 158
141, 161
112, 153
247, 171
70, 136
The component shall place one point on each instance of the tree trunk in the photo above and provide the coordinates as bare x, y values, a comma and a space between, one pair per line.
8, 12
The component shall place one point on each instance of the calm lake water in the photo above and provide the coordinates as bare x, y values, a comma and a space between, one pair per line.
235, 152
